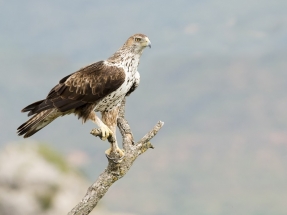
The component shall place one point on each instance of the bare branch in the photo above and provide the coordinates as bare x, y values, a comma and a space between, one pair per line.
116, 169
149, 135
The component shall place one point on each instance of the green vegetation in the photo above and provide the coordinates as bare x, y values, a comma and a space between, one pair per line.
53, 157
45, 199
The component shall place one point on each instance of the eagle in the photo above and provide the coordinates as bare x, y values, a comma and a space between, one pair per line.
98, 87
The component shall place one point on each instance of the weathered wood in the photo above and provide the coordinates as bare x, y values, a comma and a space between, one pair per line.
117, 167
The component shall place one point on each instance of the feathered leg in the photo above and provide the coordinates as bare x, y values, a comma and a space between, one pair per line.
106, 131
110, 119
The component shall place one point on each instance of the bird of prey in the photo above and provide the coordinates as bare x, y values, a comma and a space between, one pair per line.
99, 87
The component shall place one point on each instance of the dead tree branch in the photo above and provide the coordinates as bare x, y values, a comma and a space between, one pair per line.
117, 167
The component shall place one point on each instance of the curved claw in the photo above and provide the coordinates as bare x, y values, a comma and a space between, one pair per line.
106, 132
116, 156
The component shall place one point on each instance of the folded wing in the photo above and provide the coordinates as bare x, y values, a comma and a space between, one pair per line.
88, 85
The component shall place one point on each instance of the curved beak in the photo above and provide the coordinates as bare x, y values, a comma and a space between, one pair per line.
148, 43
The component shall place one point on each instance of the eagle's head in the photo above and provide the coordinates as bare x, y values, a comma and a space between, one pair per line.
138, 42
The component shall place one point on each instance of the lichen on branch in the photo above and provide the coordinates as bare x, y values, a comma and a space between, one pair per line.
116, 168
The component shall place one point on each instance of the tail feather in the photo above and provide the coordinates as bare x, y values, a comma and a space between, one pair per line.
37, 122
31, 123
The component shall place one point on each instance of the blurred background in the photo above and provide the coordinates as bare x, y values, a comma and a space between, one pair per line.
216, 75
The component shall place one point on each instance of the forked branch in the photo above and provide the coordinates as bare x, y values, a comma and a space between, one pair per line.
116, 168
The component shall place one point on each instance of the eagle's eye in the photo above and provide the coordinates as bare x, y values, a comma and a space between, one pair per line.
138, 39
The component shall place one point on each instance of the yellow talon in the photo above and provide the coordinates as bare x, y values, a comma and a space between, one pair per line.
118, 152
106, 132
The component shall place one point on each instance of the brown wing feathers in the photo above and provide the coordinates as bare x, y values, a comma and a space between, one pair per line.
88, 85
32, 106
79, 91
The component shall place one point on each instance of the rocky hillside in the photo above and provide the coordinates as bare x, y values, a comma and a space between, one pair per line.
36, 180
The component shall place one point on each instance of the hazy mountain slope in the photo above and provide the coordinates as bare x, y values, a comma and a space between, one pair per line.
216, 75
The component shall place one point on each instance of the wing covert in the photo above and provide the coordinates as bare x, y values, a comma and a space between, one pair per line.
87, 85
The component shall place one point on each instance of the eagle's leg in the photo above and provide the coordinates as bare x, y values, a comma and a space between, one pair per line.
106, 131
114, 150
109, 118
